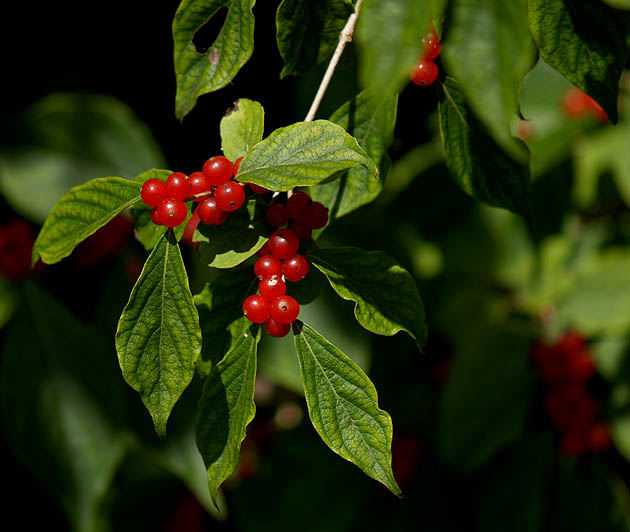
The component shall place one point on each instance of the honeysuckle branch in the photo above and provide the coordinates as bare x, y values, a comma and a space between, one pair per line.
344, 38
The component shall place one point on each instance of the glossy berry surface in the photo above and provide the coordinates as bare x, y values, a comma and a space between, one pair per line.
297, 206
277, 215
431, 46
272, 287
230, 196
155, 216
275, 329
189, 230
209, 212
153, 192
256, 308
198, 184
267, 266
424, 73
178, 186
236, 166
295, 268
284, 243
284, 309
171, 212
218, 170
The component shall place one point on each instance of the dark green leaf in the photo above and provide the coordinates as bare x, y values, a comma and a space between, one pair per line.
236, 239
65, 140
586, 41
226, 407
158, 338
83, 210
241, 128
475, 161
199, 73
489, 49
308, 31
220, 305
370, 119
343, 406
386, 296
389, 37
303, 154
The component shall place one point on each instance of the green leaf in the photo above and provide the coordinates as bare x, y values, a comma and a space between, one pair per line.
303, 154
370, 119
386, 296
158, 338
65, 140
241, 128
226, 407
619, 4
201, 73
220, 305
308, 31
599, 298
80, 213
343, 406
236, 239
489, 49
475, 161
63, 406
389, 37
587, 42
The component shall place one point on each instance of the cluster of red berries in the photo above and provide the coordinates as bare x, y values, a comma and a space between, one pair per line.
425, 71
16, 245
576, 104
566, 367
214, 189
279, 261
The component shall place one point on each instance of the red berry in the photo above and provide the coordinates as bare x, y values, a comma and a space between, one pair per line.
257, 189
256, 308
172, 212
236, 165
218, 170
272, 287
189, 230
298, 205
301, 230
277, 215
267, 266
284, 309
16, 244
178, 186
424, 73
317, 215
295, 268
264, 250
230, 196
283, 244
155, 217
431, 46
209, 211
598, 437
153, 192
198, 184
275, 329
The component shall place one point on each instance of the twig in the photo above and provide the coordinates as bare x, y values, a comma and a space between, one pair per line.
344, 38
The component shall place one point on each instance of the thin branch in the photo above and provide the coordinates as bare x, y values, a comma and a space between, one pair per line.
344, 38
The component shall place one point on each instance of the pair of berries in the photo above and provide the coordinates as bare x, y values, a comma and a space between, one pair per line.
565, 367
425, 71
213, 188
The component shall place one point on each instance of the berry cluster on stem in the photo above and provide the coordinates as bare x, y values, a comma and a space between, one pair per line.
425, 71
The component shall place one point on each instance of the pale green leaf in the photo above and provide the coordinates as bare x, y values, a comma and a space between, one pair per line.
388, 36
241, 128
80, 213
489, 49
303, 154
343, 406
370, 118
475, 161
386, 296
226, 408
619, 4
586, 41
201, 73
158, 338
308, 31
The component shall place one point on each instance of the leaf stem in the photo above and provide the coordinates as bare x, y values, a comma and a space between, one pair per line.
344, 38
